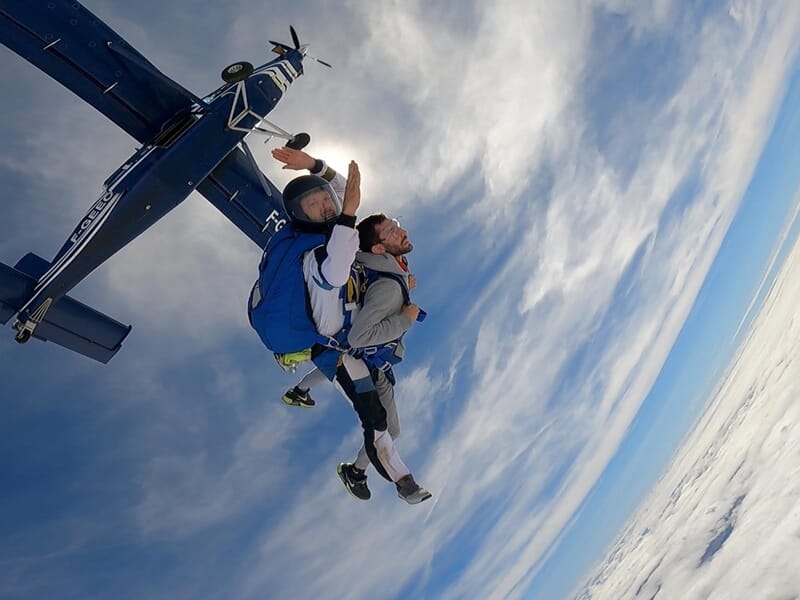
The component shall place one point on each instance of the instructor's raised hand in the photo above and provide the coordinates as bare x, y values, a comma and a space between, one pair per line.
296, 160
352, 191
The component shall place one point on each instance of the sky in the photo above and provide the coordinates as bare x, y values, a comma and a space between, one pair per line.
600, 194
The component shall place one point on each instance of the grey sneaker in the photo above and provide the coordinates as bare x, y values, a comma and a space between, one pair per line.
297, 397
409, 491
355, 483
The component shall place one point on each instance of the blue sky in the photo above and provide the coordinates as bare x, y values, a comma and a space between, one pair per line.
568, 175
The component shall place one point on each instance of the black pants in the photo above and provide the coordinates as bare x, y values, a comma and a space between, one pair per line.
370, 411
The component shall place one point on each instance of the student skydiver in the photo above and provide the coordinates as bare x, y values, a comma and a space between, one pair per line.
377, 331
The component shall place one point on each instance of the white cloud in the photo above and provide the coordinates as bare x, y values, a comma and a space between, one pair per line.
734, 470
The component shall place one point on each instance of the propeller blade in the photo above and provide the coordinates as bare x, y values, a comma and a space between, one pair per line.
295, 39
322, 62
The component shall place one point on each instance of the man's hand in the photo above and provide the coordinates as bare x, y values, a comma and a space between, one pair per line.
411, 311
412, 282
352, 191
295, 160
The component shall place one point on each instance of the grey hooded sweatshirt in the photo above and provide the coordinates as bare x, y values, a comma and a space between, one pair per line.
379, 320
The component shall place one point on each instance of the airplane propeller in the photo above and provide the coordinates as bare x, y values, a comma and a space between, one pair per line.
280, 47
322, 62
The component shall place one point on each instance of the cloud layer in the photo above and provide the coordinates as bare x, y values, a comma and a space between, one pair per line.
722, 522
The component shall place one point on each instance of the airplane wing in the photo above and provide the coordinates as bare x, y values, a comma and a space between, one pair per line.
77, 49
237, 189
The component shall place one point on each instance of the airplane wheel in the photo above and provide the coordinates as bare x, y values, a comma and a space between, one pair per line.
299, 141
22, 337
238, 71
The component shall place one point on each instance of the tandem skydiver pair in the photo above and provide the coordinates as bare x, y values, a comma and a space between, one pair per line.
314, 300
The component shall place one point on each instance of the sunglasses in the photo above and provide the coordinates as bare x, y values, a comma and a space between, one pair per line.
390, 231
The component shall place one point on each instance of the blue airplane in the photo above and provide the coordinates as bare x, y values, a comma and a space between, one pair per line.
187, 143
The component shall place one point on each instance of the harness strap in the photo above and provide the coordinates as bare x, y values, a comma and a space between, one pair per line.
382, 357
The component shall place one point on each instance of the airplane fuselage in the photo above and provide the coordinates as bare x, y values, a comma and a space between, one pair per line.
161, 174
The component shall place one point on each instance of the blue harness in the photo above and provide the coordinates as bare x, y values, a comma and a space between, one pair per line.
382, 357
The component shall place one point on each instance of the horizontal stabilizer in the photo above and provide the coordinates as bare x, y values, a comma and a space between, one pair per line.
15, 289
32, 265
80, 328
16, 285
68, 323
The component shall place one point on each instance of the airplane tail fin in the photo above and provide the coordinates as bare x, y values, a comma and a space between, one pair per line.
68, 323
